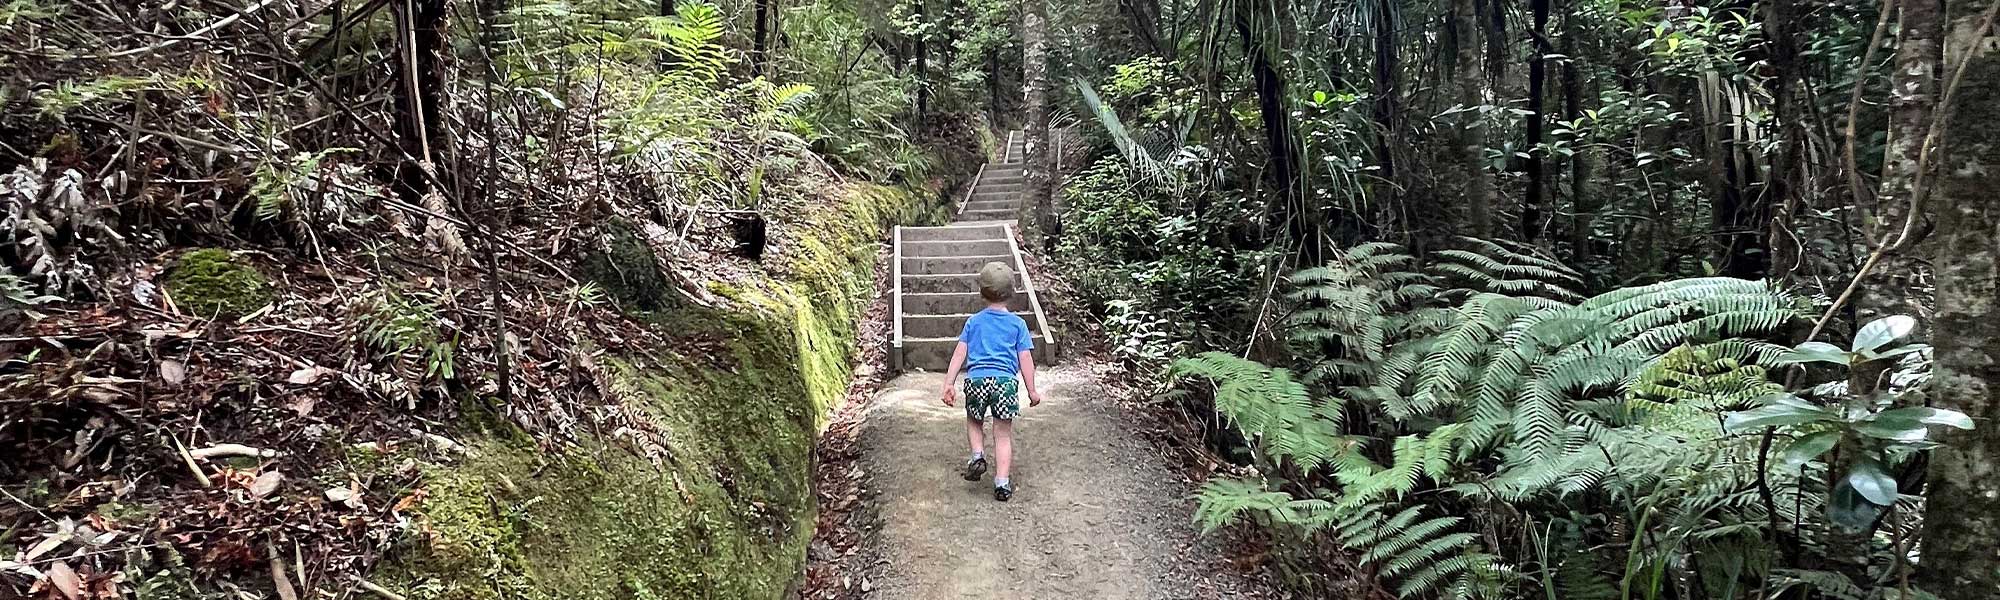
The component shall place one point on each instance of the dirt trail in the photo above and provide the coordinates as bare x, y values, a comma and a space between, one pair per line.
1095, 516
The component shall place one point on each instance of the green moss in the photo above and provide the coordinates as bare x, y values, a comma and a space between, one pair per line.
212, 283
628, 272
727, 510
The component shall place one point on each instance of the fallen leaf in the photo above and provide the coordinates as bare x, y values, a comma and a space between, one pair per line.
65, 531
66, 581
345, 496
266, 484
307, 376
173, 372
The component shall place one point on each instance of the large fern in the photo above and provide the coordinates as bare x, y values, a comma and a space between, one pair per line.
1487, 376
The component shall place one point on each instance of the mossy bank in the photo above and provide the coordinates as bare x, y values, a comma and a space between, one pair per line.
724, 509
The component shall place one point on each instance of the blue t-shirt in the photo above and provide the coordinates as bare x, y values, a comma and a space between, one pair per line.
994, 340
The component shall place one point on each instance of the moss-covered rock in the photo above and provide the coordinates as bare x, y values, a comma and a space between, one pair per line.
727, 512
212, 283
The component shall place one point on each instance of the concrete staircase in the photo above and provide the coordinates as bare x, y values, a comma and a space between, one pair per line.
934, 269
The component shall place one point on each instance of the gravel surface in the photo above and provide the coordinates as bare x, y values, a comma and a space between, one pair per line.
1096, 514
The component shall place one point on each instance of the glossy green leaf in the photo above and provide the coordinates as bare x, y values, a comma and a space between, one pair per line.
1810, 352
1869, 479
1807, 448
1927, 416
1846, 509
1785, 410
1880, 332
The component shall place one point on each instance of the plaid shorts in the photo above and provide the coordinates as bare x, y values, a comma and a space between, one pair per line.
994, 397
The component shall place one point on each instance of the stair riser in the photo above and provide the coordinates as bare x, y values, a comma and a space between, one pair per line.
956, 248
992, 205
950, 284
955, 304
935, 356
986, 215
998, 188
939, 234
947, 326
953, 265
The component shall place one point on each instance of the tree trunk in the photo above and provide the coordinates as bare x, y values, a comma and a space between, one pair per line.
1386, 65
1303, 224
1035, 78
1533, 204
1913, 90
1469, 174
1962, 514
667, 8
423, 38
1583, 158
760, 30
923, 69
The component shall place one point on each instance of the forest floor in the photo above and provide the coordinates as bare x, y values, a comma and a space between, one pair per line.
1101, 510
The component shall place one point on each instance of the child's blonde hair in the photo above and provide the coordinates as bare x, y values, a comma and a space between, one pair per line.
996, 282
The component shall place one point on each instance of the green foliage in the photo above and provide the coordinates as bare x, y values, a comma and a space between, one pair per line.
409, 328
1156, 263
1508, 387
211, 283
1885, 429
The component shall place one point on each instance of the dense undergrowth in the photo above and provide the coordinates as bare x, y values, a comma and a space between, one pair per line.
1553, 299
442, 300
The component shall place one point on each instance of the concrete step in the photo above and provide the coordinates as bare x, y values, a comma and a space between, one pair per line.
1005, 216
984, 205
996, 179
960, 304
934, 354
1004, 170
949, 326
954, 232
950, 265
951, 284
994, 196
998, 188
957, 248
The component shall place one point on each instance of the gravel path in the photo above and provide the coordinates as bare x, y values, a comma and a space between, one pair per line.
1095, 515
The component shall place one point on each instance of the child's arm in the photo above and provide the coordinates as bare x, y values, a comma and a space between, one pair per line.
951, 374
1028, 377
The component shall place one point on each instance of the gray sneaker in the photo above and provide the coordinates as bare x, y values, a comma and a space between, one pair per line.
1003, 492
974, 468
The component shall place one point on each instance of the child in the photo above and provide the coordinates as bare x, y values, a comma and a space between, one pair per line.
995, 346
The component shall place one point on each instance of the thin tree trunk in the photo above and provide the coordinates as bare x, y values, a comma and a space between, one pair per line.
420, 99
1582, 159
1386, 65
1533, 204
759, 32
1303, 225
1913, 90
1474, 188
1035, 76
667, 8
923, 69
1962, 513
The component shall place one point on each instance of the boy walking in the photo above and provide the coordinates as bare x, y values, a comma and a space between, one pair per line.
994, 347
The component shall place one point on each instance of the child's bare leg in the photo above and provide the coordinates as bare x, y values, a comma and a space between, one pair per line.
1003, 448
974, 434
